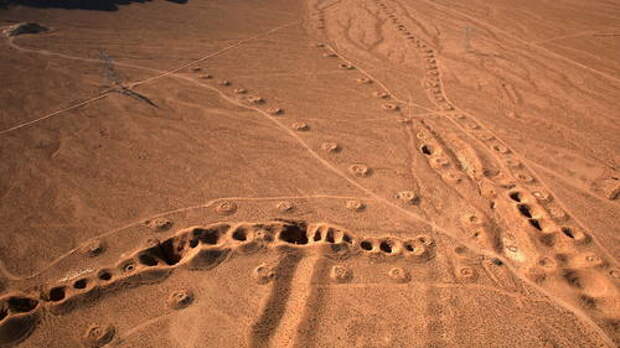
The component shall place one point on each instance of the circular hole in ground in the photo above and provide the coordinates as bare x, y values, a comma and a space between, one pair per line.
80, 284
105, 275
57, 294
129, 267
240, 235
426, 149
386, 246
366, 245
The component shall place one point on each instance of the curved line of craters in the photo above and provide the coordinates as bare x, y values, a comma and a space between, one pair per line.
434, 84
159, 222
490, 140
199, 248
555, 213
259, 104
501, 151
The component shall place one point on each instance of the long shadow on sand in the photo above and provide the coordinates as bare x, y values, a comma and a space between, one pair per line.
95, 5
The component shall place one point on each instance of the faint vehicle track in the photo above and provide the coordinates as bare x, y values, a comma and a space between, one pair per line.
209, 203
131, 85
517, 38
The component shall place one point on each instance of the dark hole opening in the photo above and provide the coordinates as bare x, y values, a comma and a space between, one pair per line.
240, 235
525, 210
536, 224
568, 232
330, 236
21, 304
207, 236
426, 149
386, 246
4, 311
170, 252
129, 267
80, 284
57, 293
366, 245
497, 262
294, 234
347, 238
105, 275
516, 196
193, 243
317, 236
409, 247
147, 260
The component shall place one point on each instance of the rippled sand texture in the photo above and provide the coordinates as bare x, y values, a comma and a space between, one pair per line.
354, 173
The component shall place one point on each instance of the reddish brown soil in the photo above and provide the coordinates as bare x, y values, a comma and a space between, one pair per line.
348, 173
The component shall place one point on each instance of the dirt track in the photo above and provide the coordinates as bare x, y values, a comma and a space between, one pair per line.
370, 173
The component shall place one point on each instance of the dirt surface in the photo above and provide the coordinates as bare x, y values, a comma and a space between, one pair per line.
288, 173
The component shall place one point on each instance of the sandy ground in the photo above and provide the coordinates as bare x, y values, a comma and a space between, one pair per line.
353, 173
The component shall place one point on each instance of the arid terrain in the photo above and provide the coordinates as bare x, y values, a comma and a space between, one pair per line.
309, 173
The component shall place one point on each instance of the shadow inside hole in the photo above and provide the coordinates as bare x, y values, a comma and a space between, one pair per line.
294, 234
57, 294
525, 210
147, 260
535, 223
21, 304
80, 284
515, 196
426, 149
386, 246
240, 235
105, 275
568, 232
366, 245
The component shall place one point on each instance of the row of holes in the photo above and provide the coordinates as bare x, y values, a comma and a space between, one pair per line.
525, 210
169, 252
291, 234
296, 234
58, 293
386, 246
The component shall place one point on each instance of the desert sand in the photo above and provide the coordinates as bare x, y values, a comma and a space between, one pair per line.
309, 173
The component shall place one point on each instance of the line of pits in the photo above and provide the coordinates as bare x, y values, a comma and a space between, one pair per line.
536, 220
524, 209
521, 205
180, 248
435, 85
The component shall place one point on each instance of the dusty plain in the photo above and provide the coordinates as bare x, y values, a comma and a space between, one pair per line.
310, 173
